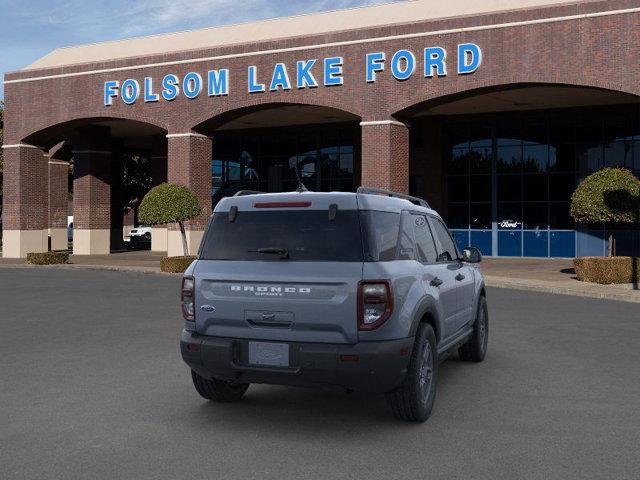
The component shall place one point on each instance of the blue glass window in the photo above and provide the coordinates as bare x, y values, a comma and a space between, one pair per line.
535, 244
562, 244
510, 243
481, 239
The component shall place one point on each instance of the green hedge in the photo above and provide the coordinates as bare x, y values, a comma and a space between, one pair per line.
175, 264
48, 258
607, 270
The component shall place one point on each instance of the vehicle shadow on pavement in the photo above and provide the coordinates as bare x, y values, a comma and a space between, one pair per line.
291, 410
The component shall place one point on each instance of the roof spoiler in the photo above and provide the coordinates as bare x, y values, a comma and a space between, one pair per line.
389, 193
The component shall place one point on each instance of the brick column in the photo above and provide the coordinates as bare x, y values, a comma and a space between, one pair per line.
92, 192
117, 208
385, 155
158, 160
426, 164
24, 201
158, 176
189, 164
58, 191
59, 157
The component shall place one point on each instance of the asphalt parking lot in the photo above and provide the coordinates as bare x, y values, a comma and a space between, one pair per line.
92, 386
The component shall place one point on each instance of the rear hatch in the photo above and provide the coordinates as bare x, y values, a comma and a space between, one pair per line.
281, 267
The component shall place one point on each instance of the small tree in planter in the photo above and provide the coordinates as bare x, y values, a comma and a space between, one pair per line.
170, 203
611, 195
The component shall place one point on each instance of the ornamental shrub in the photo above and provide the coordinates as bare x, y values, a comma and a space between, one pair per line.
175, 264
48, 258
607, 270
169, 203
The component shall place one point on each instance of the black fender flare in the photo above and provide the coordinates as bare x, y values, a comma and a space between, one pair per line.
481, 291
427, 306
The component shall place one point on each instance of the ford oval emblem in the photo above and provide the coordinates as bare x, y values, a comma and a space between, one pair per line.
207, 308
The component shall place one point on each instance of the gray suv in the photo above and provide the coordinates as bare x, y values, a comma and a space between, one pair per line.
358, 291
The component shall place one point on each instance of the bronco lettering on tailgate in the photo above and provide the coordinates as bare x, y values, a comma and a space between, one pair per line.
273, 290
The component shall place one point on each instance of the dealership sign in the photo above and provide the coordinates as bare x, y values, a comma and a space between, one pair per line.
308, 73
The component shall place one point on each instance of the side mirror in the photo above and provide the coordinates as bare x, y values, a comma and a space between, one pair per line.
471, 255
444, 257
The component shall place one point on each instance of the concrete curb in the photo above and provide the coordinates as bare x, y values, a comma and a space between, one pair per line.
75, 266
604, 292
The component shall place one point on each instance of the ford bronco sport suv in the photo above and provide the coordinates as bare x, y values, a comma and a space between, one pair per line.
361, 291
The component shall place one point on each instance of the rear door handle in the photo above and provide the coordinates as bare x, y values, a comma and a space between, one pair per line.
460, 277
436, 282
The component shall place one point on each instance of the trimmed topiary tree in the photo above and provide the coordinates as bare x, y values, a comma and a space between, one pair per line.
611, 195
170, 203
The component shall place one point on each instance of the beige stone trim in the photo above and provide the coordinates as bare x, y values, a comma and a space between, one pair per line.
17, 243
174, 242
58, 238
383, 122
190, 134
91, 241
20, 145
159, 239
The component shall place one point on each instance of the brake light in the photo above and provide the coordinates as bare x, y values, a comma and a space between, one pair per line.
375, 303
282, 205
187, 298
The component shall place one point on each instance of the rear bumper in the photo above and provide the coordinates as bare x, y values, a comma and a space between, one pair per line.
380, 366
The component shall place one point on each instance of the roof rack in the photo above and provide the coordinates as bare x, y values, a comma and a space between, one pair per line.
389, 193
242, 193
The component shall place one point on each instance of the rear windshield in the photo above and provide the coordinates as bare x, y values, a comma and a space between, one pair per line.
306, 235
303, 235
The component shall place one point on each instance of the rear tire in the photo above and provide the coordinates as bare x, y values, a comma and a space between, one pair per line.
476, 347
217, 390
413, 400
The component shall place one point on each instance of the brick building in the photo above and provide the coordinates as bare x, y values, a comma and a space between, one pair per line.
492, 110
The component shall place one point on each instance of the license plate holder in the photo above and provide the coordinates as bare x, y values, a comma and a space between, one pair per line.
269, 354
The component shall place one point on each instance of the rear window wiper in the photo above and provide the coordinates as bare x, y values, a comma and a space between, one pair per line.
283, 252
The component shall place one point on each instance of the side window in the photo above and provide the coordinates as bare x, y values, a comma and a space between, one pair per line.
385, 229
406, 244
380, 233
424, 241
446, 248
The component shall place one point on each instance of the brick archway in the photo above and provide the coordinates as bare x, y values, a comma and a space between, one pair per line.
210, 122
410, 108
36, 184
516, 152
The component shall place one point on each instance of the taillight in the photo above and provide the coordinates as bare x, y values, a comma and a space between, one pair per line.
375, 303
187, 298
